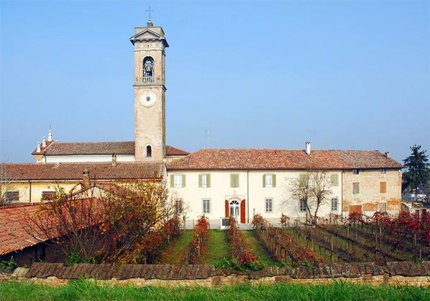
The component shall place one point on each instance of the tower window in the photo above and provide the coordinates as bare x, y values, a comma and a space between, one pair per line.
148, 67
149, 151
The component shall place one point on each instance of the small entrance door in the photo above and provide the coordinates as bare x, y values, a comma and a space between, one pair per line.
235, 209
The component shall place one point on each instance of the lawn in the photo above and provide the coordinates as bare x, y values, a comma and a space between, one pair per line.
177, 250
217, 247
89, 290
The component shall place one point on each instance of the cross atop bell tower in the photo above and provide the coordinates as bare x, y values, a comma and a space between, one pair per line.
149, 86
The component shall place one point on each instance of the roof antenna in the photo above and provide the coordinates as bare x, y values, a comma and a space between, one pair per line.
208, 137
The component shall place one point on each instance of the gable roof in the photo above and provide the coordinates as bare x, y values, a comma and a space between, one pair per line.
244, 159
97, 148
149, 35
74, 171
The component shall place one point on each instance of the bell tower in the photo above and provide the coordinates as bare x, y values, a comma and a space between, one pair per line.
149, 92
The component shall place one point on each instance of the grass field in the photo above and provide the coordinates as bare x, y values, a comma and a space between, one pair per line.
177, 250
217, 247
86, 290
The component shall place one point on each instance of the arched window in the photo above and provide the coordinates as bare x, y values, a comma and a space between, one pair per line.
148, 67
149, 151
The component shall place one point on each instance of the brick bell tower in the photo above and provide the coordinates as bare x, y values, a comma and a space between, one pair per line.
149, 92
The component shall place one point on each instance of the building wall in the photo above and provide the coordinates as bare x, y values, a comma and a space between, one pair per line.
87, 158
37, 189
370, 194
250, 189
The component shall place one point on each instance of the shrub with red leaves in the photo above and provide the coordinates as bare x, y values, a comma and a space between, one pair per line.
198, 244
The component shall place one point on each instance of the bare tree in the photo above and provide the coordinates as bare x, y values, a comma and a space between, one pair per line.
313, 189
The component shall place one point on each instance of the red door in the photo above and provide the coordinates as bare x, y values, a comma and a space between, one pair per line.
242, 211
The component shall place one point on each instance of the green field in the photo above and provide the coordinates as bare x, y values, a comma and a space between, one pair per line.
86, 290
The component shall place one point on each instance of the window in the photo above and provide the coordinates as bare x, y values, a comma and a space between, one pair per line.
269, 205
383, 187
383, 170
179, 207
303, 178
234, 180
148, 67
383, 207
48, 195
269, 180
302, 205
148, 151
12, 196
334, 179
177, 180
356, 171
205, 180
206, 206
355, 188
334, 204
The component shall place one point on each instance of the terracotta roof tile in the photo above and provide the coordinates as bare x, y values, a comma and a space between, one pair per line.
97, 148
281, 159
74, 171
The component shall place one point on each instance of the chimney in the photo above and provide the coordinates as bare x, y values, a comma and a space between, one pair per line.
50, 136
387, 155
43, 142
114, 159
86, 178
308, 147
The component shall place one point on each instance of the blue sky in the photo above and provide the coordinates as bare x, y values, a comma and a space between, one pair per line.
256, 74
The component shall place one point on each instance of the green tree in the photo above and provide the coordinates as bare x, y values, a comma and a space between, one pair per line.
418, 171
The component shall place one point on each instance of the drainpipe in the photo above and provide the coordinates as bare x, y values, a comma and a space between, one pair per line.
29, 183
247, 193
341, 193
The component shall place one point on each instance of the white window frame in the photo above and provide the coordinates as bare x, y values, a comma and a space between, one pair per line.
335, 208
208, 202
271, 205
204, 180
177, 181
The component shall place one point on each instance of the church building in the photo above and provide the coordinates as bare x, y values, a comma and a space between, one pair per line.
217, 183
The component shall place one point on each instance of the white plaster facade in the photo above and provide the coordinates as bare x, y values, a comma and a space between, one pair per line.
250, 189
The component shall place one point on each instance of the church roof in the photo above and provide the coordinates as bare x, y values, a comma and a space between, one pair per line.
74, 171
97, 148
244, 159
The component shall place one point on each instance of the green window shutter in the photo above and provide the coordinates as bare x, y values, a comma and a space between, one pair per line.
234, 180
183, 180
200, 181
274, 180
303, 180
264, 180
208, 180
172, 181
334, 180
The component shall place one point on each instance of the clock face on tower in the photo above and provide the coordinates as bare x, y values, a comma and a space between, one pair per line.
148, 98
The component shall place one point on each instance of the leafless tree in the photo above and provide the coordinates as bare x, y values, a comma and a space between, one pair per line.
313, 188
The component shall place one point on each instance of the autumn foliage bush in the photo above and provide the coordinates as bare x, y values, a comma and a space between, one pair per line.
241, 256
198, 244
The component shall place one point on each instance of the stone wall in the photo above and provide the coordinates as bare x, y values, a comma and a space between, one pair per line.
208, 275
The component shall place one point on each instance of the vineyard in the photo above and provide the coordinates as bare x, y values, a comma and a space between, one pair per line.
378, 239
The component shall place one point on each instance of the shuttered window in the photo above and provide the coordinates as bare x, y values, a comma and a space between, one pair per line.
205, 180
234, 180
334, 179
12, 196
355, 188
334, 204
48, 195
177, 180
269, 180
302, 205
383, 207
383, 187
303, 178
